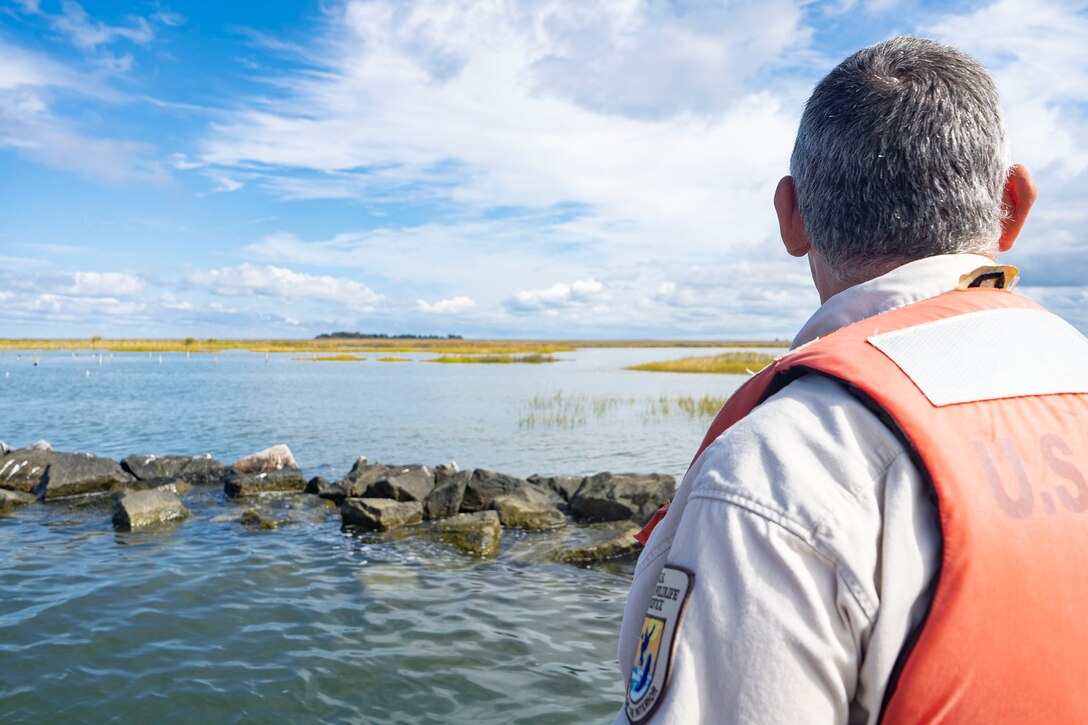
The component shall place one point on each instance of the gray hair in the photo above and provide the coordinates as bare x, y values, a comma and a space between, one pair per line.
901, 154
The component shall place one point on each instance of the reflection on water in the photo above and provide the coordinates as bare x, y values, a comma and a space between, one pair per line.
209, 619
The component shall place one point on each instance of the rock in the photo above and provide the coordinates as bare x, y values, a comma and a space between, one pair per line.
612, 496
276, 458
445, 500
485, 486
14, 499
360, 477
194, 469
622, 545
256, 520
41, 445
78, 474
321, 488
139, 509
174, 485
562, 486
288, 480
446, 469
23, 469
477, 534
517, 514
4, 449
409, 483
380, 514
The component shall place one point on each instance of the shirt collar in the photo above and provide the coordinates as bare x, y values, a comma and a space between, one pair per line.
911, 282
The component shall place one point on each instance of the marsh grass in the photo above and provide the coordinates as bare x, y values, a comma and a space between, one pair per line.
728, 362
332, 358
532, 358
394, 358
335, 345
561, 410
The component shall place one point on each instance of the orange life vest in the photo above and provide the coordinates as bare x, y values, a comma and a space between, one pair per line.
1005, 639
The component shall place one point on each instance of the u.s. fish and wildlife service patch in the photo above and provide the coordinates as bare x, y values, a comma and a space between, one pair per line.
653, 655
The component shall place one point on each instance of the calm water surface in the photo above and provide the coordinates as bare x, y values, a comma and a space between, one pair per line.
207, 620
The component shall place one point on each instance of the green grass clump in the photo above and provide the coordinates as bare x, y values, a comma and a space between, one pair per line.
532, 358
333, 358
729, 362
394, 358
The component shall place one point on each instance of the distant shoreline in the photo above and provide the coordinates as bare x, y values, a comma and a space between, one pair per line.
453, 346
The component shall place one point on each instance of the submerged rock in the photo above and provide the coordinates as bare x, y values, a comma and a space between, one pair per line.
484, 486
407, 483
445, 499
616, 496
79, 474
256, 520
139, 509
14, 499
276, 458
476, 534
23, 469
623, 544
380, 514
194, 469
288, 480
517, 514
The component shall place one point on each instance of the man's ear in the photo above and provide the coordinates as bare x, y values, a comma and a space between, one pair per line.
794, 236
1019, 196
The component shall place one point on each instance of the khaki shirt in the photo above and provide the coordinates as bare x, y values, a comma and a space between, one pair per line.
813, 544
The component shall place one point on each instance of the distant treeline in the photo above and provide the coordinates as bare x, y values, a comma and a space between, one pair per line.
380, 336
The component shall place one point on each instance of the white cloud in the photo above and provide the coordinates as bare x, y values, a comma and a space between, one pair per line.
558, 296
226, 184
88, 34
452, 306
285, 284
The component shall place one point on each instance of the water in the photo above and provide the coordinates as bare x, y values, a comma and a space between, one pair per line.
207, 619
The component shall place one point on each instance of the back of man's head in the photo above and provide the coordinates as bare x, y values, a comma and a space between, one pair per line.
901, 154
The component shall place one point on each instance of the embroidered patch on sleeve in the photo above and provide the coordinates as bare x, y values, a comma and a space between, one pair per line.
653, 654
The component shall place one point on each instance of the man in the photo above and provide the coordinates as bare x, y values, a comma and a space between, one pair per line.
889, 523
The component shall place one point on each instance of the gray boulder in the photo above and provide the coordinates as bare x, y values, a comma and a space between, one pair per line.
476, 534
446, 469
408, 483
14, 499
612, 496
79, 474
515, 513
445, 500
562, 486
360, 477
194, 469
321, 488
41, 445
623, 544
485, 486
276, 458
23, 469
288, 480
139, 509
380, 514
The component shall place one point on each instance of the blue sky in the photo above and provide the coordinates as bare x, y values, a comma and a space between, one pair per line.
554, 168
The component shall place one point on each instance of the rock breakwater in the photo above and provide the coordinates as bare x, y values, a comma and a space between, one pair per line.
467, 510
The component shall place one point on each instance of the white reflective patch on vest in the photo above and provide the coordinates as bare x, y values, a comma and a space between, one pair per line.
989, 355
